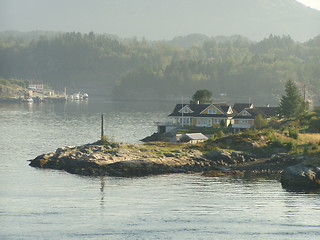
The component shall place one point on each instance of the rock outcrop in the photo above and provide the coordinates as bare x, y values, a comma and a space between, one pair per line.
163, 137
129, 160
226, 158
301, 177
125, 160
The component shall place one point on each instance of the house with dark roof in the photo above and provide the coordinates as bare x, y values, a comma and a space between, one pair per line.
238, 107
202, 115
245, 118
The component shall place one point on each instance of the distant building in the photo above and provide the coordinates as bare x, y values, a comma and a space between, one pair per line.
36, 87
245, 118
41, 88
192, 137
202, 115
238, 107
240, 116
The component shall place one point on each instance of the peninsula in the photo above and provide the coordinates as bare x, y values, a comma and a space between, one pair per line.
213, 158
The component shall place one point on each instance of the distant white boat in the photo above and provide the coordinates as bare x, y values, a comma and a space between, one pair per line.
27, 100
78, 96
70, 97
85, 96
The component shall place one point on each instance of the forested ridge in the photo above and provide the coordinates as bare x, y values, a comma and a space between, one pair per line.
233, 68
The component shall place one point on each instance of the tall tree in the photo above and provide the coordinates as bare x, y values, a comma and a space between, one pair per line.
202, 96
291, 104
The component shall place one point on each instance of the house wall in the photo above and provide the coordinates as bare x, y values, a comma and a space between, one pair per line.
243, 123
202, 122
229, 120
37, 86
207, 111
213, 122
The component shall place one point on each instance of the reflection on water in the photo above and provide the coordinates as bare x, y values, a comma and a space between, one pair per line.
102, 180
51, 204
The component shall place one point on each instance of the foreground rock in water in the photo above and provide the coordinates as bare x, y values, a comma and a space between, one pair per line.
301, 177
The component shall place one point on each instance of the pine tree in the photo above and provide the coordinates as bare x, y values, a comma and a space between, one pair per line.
291, 104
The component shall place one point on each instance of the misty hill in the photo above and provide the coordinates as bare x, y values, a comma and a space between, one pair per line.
254, 19
167, 19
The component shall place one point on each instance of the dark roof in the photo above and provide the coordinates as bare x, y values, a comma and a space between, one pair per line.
269, 111
264, 111
198, 108
238, 107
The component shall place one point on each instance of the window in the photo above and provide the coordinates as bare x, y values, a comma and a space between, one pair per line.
212, 111
204, 122
217, 121
186, 121
243, 121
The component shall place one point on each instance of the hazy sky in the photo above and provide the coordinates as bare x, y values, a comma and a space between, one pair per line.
120, 17
311, 3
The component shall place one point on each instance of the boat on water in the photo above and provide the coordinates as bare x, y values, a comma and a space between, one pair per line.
85, 96
78, 96
27, 100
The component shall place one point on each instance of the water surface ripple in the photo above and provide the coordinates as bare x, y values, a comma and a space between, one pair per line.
50, 204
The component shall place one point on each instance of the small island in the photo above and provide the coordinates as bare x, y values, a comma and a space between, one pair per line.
285, 148
254, 152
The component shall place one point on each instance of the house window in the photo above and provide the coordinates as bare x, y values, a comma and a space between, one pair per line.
243, 121
186, 121
212, 111
217, 121
185, 110
203, 122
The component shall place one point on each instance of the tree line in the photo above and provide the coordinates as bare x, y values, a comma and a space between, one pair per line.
234, 67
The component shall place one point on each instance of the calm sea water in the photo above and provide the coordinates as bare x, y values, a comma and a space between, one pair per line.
50, 204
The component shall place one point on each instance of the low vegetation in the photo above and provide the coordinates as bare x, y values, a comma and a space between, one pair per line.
299, 136
12, 87
294, 137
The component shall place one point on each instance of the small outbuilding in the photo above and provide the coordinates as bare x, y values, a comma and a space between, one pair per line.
193, 137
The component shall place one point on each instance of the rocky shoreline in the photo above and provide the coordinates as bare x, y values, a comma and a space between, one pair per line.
134, 160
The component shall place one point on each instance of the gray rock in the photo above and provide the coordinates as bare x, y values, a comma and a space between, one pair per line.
300, 177
219, 155
169, 154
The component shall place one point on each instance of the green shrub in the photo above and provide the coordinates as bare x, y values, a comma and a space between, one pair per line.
314, 124
291, 146
220, 134
104, 140
223, 124
277, 143
293, 133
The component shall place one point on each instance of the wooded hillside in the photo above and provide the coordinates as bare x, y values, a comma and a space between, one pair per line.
234, 68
